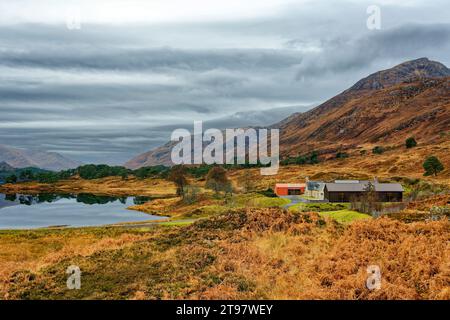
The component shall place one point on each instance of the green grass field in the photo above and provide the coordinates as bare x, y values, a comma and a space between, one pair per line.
345, 216
339, 211
258, 201
319, 207
265, 202
176, 223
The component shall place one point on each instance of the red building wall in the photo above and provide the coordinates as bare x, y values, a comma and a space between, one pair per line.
284, 191
281, 191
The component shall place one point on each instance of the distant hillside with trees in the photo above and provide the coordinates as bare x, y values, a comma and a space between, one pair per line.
11, 174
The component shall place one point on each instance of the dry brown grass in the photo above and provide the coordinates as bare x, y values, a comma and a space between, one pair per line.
35, 250
428, 203
407, 163
250, 254
161, 207
114, 186
246, 254
330, 263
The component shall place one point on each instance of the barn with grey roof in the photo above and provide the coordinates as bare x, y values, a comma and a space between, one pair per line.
343, 191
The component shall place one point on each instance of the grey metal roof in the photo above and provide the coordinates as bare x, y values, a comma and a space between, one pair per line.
362, 186
346, 187
389, 187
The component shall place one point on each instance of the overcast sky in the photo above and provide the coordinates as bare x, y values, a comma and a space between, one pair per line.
137, 69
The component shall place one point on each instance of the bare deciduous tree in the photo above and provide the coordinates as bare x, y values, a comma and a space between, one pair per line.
178, 176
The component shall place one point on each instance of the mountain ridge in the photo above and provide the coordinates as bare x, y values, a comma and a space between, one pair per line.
5, 167
392, 95
411, 98
22, 158
403, 72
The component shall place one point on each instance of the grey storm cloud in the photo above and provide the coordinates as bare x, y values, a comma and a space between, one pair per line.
405, 42
108, 92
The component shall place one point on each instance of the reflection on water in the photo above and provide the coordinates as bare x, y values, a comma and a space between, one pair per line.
85, 198
19, 211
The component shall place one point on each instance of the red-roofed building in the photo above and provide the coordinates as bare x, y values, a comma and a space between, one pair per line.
289, 189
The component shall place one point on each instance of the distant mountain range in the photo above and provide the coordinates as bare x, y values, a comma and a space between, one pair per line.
21, 158
412, 98
5, 167
6, 170
245, 119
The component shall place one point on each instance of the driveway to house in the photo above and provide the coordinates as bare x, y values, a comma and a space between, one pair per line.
294, 201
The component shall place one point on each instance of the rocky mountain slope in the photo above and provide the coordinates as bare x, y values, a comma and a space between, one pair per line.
21, 158
410, 99
5, 167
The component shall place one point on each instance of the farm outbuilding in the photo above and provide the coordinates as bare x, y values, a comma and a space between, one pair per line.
315, 189
289, 189
351, 191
